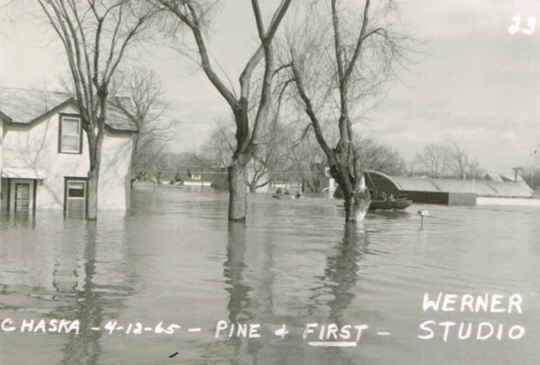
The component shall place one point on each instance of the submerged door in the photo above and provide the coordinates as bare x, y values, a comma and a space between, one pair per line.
75, 203
22, 197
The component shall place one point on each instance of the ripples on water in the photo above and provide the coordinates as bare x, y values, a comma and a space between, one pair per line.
175, 259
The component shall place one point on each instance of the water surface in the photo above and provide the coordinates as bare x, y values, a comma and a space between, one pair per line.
174, 259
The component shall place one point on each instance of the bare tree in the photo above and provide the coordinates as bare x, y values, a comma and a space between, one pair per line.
305, 157
460, 161
463, 166
474, 171
377, 156
216, 153
271, 157
145, 91
439, 160
339, 68
435, 159
96, 36
193, 15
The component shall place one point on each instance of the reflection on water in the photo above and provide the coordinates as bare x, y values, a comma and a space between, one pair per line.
343, 271
234, 274
83, 349
174, 259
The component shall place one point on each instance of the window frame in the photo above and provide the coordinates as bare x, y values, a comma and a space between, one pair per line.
28, 200
67, 180
61, 118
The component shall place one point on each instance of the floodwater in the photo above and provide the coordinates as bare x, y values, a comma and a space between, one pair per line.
120, 284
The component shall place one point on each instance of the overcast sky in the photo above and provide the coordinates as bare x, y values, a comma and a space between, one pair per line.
477, 86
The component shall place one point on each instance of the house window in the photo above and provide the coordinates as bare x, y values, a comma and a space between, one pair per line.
70, 134
75, 197
196, 176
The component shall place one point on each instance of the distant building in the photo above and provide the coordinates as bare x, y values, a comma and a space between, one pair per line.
318, 178
44, 158
196, 177
445, 191
189, 176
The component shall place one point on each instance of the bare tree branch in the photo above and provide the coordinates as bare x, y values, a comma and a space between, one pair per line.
248, 129
112, 25
339, 68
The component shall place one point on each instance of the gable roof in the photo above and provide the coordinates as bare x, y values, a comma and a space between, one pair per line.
22, 106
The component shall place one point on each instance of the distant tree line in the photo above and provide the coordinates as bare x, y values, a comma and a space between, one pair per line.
291, 153
449, 161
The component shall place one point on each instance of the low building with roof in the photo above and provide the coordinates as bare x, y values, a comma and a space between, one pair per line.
44, 155
444, 191
193, 176
316, 178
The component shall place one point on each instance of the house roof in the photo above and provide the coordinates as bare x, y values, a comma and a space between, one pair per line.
23, 173
24, 106
493, 176
480, 187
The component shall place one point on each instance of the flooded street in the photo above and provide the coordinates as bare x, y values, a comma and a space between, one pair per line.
123, 283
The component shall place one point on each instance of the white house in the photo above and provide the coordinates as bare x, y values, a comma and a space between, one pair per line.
44, 159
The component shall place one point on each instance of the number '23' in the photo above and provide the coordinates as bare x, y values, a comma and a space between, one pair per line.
531, 25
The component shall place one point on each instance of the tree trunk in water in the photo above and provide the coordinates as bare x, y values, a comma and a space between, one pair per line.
237, 192
93, 182
356, 207
94, 146
356, 198
252, 187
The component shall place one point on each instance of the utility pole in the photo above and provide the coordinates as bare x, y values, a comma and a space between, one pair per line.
516, 169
